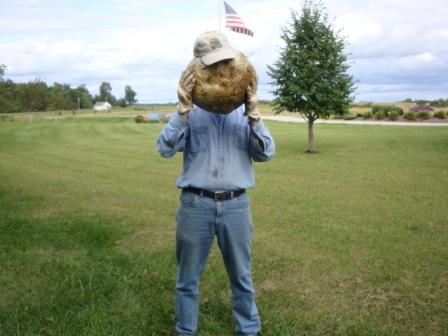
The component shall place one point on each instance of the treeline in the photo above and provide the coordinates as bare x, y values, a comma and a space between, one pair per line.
436, 103
36, 95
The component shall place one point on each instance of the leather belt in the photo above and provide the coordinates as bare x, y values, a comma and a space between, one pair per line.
217, 196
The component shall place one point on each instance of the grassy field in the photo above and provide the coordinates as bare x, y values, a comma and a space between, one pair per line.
350, 241
132, 111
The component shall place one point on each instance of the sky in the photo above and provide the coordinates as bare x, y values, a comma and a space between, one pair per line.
397, 49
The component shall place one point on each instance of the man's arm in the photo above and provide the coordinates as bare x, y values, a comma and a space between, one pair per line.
261, 143
173, 137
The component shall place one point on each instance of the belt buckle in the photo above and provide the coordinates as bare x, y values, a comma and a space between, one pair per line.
219, 196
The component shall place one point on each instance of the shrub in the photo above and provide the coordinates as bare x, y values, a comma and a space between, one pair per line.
425, 115
410, 116
358, 115
392, 115
367, 115
139, 119
440, 115
380, 115
420, 108
386, 109
376, 109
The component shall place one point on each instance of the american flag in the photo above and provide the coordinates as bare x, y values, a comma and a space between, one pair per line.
234, 22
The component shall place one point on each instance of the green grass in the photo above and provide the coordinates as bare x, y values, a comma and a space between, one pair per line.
350, 241
116, 112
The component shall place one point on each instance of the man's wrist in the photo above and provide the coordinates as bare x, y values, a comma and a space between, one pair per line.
254, 117
252, 122
183, 110
178, 120
255, 124
183, 115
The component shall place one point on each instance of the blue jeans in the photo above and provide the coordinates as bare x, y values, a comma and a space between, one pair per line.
198, 220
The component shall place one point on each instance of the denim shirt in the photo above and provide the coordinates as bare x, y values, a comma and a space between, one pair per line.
218, 149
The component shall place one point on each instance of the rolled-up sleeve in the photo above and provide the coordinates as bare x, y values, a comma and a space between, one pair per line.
172, 138
262, 145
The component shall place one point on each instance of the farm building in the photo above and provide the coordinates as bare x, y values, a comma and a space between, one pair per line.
102, 106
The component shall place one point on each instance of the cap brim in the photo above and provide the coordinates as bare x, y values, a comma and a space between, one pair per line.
219, 55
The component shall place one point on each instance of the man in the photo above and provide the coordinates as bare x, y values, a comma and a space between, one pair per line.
217, 169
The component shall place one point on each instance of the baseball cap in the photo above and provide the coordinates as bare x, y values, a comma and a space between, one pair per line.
212, 47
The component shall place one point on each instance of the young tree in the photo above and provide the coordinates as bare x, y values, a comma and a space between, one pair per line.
106, 93
129, 95
310, 76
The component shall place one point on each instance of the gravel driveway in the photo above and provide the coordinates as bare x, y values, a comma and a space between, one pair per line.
356, 122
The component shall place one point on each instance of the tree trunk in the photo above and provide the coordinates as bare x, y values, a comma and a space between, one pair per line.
310, 136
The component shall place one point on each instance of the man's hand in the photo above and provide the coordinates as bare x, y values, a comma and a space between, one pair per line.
185, 91
251, 104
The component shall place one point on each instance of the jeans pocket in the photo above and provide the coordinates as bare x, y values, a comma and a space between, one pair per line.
188, 199
243, 200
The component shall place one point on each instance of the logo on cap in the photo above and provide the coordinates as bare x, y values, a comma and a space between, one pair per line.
215, 43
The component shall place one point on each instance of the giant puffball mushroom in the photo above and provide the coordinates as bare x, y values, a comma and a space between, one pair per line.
221, 87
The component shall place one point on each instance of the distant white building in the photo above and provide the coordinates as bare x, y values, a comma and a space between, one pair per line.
102, 106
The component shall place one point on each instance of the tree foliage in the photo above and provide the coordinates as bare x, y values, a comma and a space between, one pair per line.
129, 95
62, 97
36, 95
310, 76
2, 71
85, 98
33, 96
106, 93
122, 102
8, 100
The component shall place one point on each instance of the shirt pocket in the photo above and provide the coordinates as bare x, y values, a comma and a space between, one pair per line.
239, 137
198, 139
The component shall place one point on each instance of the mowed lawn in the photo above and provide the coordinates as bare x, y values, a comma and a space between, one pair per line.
350, 241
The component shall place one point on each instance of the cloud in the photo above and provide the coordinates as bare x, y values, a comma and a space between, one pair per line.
395, 51
398, 48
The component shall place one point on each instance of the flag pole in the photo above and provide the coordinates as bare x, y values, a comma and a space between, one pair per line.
219, 14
